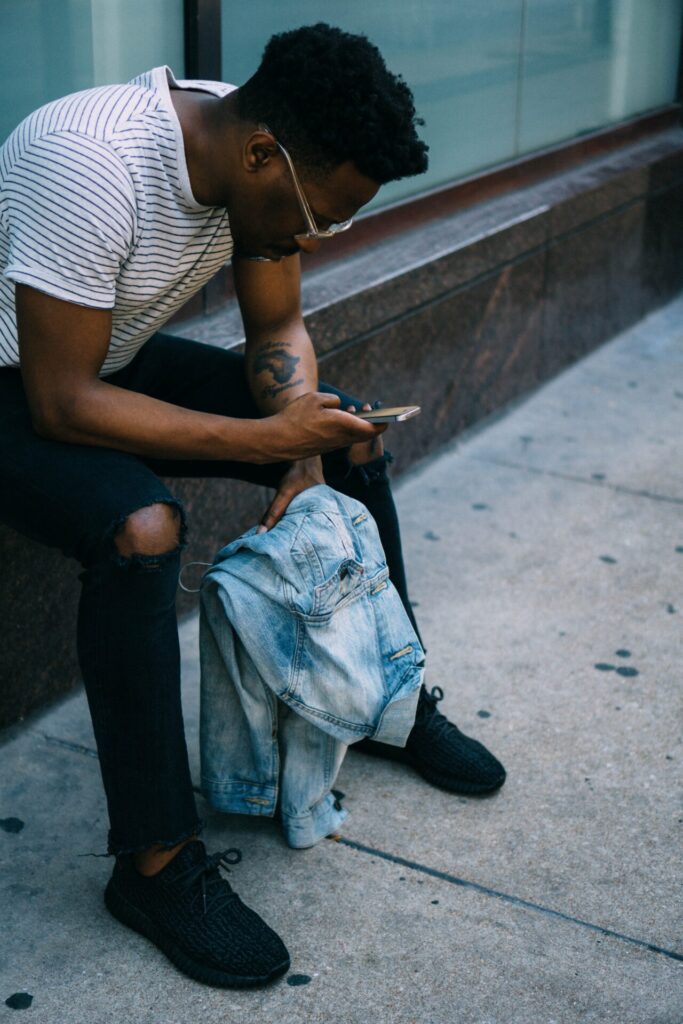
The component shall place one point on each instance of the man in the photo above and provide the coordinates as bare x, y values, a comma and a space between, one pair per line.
117, 204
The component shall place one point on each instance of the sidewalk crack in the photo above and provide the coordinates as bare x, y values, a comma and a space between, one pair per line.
76, 748
573, 478
505, 897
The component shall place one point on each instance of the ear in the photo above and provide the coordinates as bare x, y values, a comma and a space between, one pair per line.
259, 151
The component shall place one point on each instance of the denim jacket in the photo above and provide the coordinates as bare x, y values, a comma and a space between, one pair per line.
305, 647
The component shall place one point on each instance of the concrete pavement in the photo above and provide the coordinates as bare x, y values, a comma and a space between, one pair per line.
545, 554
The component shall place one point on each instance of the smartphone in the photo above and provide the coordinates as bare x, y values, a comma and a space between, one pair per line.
392, 414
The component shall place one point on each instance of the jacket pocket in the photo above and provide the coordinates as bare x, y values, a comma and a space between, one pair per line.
348, 582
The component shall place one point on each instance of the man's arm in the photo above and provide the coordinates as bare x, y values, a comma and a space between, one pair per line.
62, 348
280, 359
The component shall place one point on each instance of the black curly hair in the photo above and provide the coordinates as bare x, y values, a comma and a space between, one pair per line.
328, 97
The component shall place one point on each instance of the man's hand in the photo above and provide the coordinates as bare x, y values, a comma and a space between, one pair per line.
299, 477
314, 424
309, 472
365, 451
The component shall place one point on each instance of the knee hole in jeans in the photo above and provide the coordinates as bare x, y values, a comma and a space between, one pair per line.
152, 530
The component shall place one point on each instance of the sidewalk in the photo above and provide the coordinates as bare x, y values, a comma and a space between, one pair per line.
545, 553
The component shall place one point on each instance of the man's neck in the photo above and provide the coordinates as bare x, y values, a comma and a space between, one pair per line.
209, 127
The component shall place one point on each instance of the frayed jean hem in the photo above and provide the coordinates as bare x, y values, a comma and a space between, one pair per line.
118, 849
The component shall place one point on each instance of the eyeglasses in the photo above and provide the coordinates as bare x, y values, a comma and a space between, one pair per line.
312, 233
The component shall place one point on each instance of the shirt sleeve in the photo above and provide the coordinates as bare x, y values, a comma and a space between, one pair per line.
70, 210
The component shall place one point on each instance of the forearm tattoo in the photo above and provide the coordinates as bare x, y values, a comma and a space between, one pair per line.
274, 359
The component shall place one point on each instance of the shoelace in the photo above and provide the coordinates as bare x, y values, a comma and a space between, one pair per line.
427, 715
211, 882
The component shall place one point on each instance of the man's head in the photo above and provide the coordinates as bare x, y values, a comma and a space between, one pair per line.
347, 123
329, 97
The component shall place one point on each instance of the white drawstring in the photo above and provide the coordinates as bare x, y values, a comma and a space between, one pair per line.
189, 590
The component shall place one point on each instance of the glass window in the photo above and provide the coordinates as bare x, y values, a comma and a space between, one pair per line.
590, 63
49, 48
460, 59
494, 79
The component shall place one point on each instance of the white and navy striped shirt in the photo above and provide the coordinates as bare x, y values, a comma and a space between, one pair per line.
96, 209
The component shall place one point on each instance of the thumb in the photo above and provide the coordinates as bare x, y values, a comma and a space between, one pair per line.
275, 511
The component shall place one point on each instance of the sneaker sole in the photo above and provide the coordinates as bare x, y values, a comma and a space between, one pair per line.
133, 918
464, 788
403, 756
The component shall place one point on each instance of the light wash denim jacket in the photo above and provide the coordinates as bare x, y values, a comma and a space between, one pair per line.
305, 647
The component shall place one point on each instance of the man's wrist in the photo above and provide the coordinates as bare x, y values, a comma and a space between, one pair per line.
253, 440
311, 466
272, 406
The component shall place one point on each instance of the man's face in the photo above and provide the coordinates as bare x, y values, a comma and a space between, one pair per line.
268, 215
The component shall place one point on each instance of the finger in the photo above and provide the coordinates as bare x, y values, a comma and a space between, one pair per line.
374, 428
367, 430
349, 415
328, 401
361, 430
365, 408
275, 511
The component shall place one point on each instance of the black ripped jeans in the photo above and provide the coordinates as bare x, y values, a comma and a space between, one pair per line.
75, 497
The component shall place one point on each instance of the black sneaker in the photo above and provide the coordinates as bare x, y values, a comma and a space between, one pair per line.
191, 913
441, 753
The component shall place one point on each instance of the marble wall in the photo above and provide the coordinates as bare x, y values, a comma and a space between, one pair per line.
460, 316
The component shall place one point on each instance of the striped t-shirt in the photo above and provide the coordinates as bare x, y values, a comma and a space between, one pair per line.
96, 209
